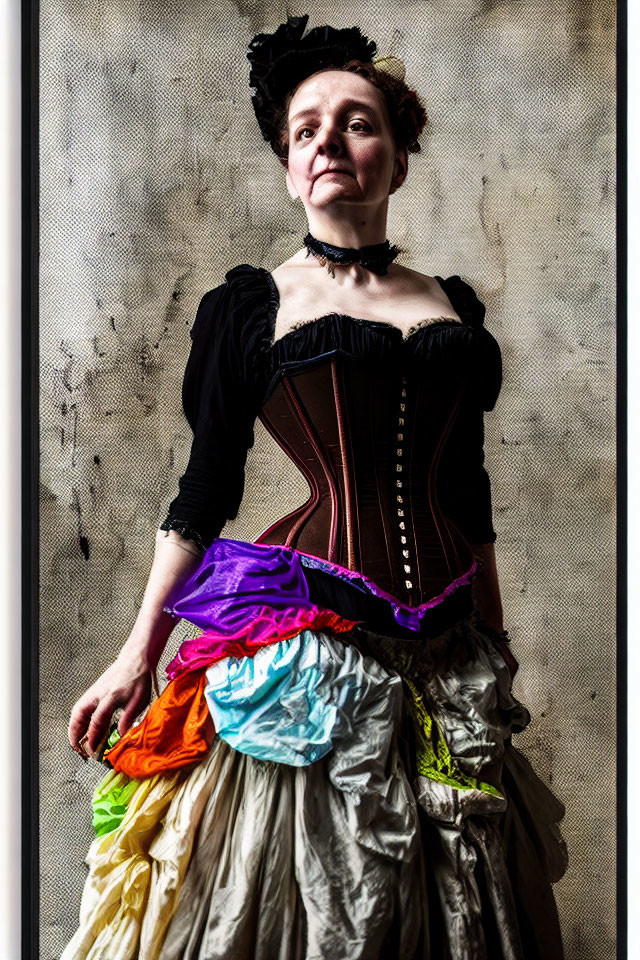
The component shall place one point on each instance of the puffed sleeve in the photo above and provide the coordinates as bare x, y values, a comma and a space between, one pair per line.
464, 487
220, 406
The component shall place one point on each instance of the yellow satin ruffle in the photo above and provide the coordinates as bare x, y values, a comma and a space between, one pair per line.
136, 871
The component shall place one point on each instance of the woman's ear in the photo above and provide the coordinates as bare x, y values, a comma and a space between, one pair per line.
399, 169
293, 193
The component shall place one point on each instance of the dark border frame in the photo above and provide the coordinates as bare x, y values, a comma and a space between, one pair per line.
30, 127
30, 197
622, 439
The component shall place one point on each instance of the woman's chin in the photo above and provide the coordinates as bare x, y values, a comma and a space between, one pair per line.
334, 193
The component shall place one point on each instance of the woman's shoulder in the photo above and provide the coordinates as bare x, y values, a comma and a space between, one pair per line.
462, 297
235, 304
244, 273
470, 342
243, 284
253, 295
465, 300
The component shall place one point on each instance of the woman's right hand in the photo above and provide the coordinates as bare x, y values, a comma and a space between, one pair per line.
126, 684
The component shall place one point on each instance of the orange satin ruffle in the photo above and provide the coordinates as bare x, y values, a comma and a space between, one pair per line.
176, 730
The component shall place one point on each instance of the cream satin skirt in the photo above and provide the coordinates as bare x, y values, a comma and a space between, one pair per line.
420, 832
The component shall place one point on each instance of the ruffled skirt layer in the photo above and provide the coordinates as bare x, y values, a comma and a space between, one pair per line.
371, 806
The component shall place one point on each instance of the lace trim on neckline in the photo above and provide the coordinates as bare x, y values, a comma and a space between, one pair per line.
366, 321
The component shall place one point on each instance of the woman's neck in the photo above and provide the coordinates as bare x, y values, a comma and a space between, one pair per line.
348, 230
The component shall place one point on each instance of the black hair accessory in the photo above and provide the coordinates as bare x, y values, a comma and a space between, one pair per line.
283, 59
375, 257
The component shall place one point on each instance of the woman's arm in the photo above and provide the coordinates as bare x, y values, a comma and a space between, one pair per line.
220, 404
486, 588
487, 600
127, 682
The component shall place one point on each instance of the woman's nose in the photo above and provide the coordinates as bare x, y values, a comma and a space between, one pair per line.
329, 140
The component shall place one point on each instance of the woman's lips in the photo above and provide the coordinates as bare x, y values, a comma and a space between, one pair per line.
327, 172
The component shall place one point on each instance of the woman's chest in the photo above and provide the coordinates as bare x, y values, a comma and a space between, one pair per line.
402, 306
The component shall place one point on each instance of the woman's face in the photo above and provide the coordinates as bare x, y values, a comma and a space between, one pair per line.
341, 148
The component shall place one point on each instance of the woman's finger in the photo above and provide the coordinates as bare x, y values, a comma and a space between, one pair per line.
79, 719
99, 723
137, 703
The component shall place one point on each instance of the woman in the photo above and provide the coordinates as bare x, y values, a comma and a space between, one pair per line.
329, 772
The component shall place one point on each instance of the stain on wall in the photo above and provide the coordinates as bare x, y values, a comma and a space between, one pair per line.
155, 182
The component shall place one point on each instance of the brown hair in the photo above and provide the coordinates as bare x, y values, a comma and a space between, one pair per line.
406, 111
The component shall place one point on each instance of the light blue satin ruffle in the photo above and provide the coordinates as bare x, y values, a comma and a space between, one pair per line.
291, 700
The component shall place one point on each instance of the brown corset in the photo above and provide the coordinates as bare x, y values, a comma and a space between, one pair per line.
368, 439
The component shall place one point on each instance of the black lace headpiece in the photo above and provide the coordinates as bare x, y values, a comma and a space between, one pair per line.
283, 59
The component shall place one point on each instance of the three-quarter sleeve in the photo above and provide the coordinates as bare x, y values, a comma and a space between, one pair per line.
463, 482
464, 486
220, 407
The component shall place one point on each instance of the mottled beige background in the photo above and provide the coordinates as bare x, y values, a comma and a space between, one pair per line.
154, 182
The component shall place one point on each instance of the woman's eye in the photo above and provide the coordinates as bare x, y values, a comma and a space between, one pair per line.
353, 125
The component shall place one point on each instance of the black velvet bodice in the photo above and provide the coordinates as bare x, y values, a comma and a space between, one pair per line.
387, 430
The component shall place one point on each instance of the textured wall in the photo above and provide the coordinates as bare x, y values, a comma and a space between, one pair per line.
154, 182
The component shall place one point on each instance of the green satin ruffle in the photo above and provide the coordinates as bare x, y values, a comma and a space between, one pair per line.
110, 801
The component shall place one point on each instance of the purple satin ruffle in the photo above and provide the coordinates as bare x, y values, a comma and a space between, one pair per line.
244, 595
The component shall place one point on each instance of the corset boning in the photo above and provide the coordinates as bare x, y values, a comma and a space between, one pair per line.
368, 438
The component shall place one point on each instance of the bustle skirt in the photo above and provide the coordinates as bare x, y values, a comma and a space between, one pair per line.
336, 795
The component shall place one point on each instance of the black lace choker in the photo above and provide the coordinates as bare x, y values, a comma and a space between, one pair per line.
376, 257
